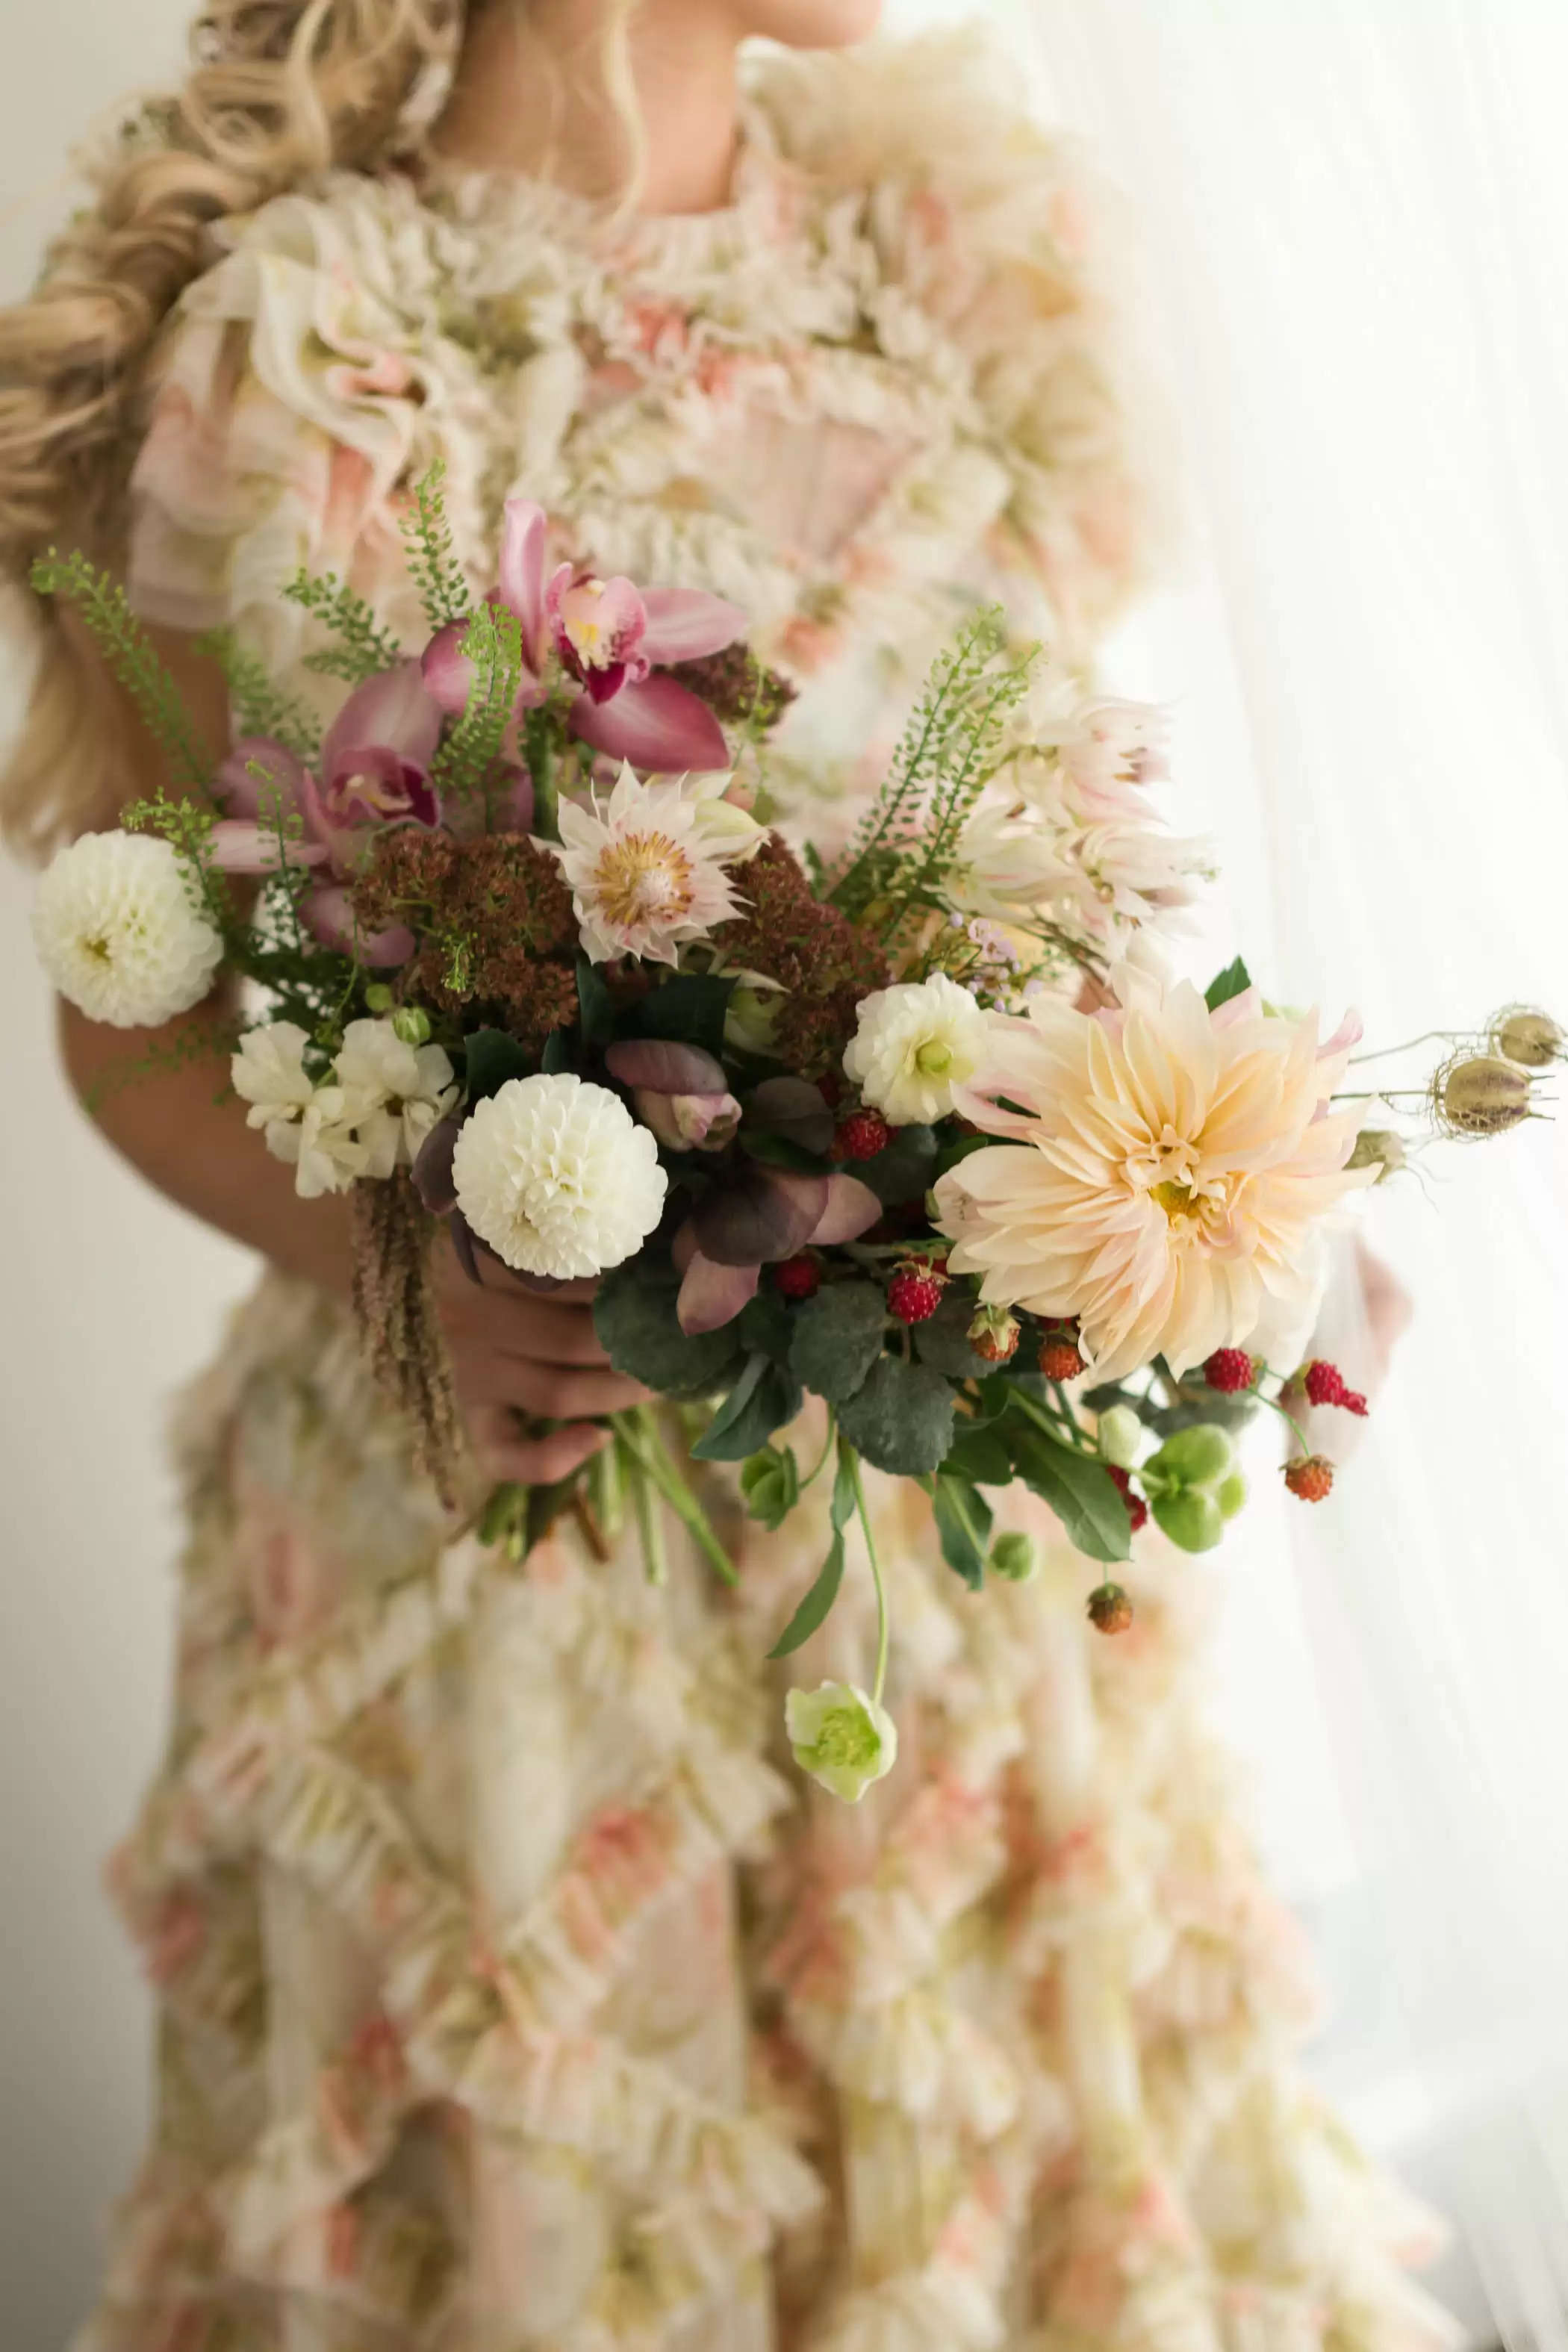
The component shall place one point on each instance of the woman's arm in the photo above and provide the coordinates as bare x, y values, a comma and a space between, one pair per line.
181, 1129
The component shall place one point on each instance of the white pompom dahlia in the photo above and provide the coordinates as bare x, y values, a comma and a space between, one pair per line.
119, 933
914, 1043
557, 1177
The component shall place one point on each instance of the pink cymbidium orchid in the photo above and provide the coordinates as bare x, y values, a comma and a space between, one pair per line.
374, 771
616, 640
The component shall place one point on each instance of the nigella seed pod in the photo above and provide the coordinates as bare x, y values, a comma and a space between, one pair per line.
1379, 1148
1480, 1095
1523, 1034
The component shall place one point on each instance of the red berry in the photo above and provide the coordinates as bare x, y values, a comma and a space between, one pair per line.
914, 1294
799, 1277
1137, 1509
1353, 1402
1109, 1609
1230, 1370
993, 1335
861, 1135
1310, 1476
1324, 1382
1060, 1357
830, 1087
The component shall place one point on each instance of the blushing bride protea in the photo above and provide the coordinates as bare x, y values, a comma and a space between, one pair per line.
1174, 1160
555, 1176
119, 932
646, 868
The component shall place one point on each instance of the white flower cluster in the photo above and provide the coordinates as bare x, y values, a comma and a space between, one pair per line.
1066, 833
556, 1176
367, 1116
120, 931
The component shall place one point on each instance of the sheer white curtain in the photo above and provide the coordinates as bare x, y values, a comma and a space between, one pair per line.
1355, 221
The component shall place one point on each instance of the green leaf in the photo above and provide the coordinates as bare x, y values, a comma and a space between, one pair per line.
1234, 980
690, 1008
557, 1054
493, 1057
943, 1340
635, 1317
769, 1485
960, 1147
963, 1524
905, 1171
901, 1418
837, 1337
980, 1456
1080, 1491
763, 1399
595, 1010
767, 1323
825, 1592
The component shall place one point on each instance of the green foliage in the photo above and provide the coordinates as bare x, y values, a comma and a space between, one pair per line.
104, 611
963, 1527
493, 1057
979, 1455
905, 1170
763, 1399
1234, 980
260, 707
186, 826
432, 566
689, 1007
197, 1041
950, 750
901, 1418
814, 1608
943, 1340
837, 1337
635, 1316
462, 768
1079, 1490
363, 646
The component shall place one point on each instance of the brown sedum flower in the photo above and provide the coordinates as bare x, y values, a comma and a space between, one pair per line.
826, 962
493, 920
737, 687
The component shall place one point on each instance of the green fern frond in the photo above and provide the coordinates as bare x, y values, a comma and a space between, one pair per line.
260, 707
365, 646
432, 565
105, 613
493, 644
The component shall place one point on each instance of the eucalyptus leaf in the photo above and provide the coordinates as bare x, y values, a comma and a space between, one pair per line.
1079, 1490
837, 1337
901, 1418
943, 1340
903, 1172
964, 1526
635, 1316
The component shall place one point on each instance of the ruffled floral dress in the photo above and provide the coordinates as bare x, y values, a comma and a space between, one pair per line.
515, 1991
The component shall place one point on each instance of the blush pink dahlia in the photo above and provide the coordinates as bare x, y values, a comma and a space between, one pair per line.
1160, 1172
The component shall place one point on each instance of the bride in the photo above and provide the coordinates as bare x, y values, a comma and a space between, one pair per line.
514, 1988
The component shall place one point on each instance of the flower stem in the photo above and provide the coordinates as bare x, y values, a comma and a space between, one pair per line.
650, 1528
821, 1463
865, 1516
1275, 1406
640, 1435
1045, 1419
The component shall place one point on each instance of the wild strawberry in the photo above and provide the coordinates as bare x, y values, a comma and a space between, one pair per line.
993, 1335
1311, 1477
1231, 1370
1353, 1402
1137, 1509
861, 1135
830, 1087
914, 1293
1109, 1609
799, 1277
1324, 1382
1059, 1356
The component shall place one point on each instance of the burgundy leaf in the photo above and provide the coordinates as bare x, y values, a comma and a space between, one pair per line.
760, 1213
794, 1108
713, 1294
852, 1209
432, 1168
666, 1066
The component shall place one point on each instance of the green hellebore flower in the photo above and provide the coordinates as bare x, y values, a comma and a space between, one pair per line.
1012, 1556
1191, 1518
770, 1485
1201, 1456
1230, 1495
841, 1737
1121, 1434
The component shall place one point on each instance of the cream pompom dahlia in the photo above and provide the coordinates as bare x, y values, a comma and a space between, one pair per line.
119, 933
915, 1042
557, 1177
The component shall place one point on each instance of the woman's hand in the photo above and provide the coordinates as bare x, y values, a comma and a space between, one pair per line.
515, 1354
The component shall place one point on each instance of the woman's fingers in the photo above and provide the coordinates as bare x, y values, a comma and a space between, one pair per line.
555, 1390
503, 1451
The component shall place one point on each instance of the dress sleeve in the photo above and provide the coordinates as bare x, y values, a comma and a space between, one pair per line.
289, 412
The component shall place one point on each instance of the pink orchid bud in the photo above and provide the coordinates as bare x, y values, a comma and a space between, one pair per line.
326, 913
688, 1122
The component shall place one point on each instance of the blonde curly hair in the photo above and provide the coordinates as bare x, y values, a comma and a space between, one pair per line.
277, 90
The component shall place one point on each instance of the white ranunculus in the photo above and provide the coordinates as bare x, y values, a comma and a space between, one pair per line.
119, 931
557, 1177
325, 1148
915, 1042
269, 1073
841, 1737
400, 1091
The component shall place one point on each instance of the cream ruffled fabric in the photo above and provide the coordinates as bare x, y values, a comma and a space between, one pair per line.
515, 1991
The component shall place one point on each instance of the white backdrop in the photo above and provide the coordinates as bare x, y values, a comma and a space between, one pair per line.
108, 1297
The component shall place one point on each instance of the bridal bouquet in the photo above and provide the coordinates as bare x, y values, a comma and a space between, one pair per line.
924, 1132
